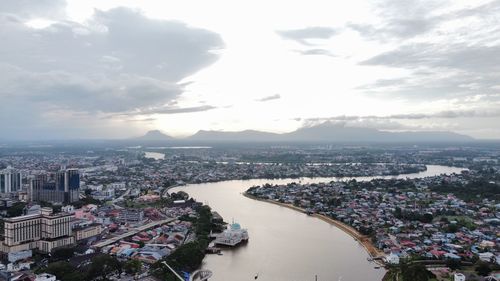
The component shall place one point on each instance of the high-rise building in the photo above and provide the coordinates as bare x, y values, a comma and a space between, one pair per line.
43, 231
10, 180
65, 188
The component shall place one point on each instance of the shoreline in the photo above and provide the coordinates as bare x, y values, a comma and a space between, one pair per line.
363, 240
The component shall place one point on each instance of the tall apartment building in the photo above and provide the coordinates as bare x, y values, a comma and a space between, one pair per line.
63, 187
10, 180
43, 231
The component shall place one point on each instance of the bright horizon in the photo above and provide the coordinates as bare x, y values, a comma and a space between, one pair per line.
116, 69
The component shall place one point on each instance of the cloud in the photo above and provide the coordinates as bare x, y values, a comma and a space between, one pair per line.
438, 71
27, 9
168, 109
143, 120
446, 114
177, 110
269, 98
303, 35
118, 61
461, 57
401, 19
443, 120
445, 51
396, 29
316, 52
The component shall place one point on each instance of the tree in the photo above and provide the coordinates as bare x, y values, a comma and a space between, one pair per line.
427, 218
398, 213
74, 276
181, 195
453, 264
187, 257
132, 266
452, 228
483, 268
103, 265
415, 272
62, 253
64, 271
16, 209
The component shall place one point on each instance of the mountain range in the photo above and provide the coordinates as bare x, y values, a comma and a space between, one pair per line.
325, 132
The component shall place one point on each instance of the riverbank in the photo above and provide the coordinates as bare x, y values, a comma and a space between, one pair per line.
364, 240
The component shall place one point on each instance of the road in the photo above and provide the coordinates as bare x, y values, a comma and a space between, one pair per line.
132, 232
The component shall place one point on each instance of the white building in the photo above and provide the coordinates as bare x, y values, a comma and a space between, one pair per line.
70, 209
45, 277
458, 277
21, 255
392, 259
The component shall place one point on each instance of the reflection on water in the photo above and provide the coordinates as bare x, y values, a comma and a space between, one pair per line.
285, 245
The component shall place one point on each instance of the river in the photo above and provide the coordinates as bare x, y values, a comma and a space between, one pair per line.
286, 245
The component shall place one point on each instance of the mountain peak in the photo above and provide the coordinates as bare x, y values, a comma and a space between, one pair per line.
154, 135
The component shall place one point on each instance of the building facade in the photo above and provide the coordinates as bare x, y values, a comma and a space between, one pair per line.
87, 232
63, 187
10, 180
131, 215
43, 231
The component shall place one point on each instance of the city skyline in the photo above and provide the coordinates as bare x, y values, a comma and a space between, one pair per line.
116, 69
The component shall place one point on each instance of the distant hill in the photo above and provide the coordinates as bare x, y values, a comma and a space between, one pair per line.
325, 132
339, 133
154, 135
329, 132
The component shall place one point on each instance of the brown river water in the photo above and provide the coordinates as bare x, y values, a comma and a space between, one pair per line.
286, 245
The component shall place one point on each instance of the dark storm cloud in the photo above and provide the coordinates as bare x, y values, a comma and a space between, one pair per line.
302, 35
119, 61
269, 98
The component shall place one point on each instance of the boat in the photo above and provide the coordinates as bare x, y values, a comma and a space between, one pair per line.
232, 236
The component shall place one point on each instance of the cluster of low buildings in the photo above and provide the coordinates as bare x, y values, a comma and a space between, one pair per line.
211, 171
126, 185
156, 243
403, 221
146, 235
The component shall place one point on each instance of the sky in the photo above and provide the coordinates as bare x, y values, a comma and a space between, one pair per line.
116, 69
